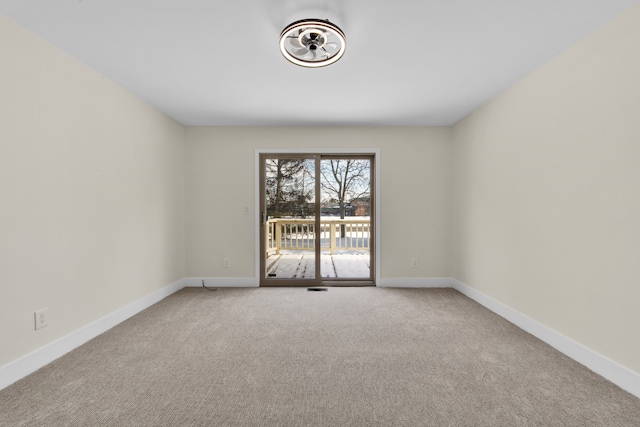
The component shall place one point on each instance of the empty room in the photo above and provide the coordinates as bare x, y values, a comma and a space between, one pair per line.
320, 213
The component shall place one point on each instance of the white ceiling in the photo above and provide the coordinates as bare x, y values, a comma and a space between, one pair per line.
408, 62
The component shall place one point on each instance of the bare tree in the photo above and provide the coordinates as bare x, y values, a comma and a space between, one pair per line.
345, 180
285, 186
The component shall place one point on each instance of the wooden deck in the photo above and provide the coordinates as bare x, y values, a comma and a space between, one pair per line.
301, 265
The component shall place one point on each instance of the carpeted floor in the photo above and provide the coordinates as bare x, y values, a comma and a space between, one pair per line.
287, 357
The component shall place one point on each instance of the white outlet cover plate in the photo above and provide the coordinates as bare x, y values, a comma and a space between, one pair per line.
41, 318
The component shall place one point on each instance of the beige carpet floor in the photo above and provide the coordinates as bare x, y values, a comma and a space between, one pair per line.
289, 357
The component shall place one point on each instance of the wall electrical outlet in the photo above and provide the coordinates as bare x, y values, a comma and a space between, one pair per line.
41, 318
226, 262
414, 262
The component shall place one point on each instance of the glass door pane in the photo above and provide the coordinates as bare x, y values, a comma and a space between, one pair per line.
289, 219
345, 218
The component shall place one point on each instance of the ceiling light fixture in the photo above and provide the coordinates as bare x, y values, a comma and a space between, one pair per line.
312, 42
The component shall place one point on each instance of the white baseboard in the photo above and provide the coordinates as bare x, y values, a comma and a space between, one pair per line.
623, 377
415, 282
222, 282
37, 359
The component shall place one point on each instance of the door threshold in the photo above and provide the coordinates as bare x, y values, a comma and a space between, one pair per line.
330, 284
347, 283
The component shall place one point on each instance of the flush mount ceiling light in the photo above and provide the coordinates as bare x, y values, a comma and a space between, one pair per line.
312, 42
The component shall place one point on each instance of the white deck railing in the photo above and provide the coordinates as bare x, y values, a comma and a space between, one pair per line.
299, 234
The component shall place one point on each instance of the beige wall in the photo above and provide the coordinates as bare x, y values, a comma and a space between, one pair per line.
414, 194
546, 185
92, 194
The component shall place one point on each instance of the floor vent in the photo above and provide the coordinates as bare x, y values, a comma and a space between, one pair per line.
317, 289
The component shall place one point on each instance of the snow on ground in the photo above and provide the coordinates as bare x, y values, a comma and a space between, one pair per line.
351, 265
301, 265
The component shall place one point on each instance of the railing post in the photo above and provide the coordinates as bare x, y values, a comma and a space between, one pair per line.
267, 244
278, 236
332, 238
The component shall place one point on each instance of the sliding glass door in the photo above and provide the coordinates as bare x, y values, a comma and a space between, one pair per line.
316, 222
